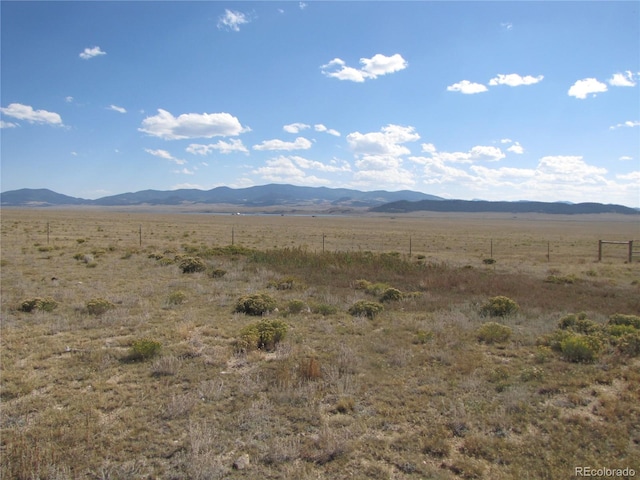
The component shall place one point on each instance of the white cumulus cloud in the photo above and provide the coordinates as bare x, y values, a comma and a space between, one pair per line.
231, 20
299, 143
191, 125
386, 142
321, 128
515, 80
371, 68
295, 127
467, 87
88, 53
588, 86
283, 169
27, 113
234, 145
626, 79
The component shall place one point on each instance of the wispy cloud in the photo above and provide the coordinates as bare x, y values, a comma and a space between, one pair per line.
628, 123
299, 143
165, 155
371, 68
191, 125
89, 53
321, 128
295, 127
115, 108
234, 145
231, 20
27, 113
4, 124
585, 87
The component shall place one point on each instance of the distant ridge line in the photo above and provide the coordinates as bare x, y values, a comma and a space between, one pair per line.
284, 195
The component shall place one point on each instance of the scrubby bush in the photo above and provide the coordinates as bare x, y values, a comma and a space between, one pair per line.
144, 349
98, 306
192, 265
629, 344
391, 295
578, 323
363, 308
422, 337
492, 332
295, 306
580, 348
177, 298
217, 273
621, 319
255, 304
324, 309
499, 306
262, 335
46, 304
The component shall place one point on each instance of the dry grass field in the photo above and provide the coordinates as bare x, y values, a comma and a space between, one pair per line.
126, 352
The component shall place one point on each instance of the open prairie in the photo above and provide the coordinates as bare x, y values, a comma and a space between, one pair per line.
199, 346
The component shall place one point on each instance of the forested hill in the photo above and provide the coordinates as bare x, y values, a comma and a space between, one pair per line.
507, 207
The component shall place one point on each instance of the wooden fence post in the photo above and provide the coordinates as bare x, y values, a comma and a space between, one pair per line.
599, 250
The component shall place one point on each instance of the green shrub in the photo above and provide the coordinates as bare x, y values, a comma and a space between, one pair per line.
324, 309
46, 304
363, 308
489, 261
192, 265
391, 295
621, 319
422, 337
98, 306
255, 304
554, 340
499, 306
492, 332
561, 280
578, 323
629, 344
620, 330
217, 273
262, 335
295, 306
580, 348
177, 298
144, 349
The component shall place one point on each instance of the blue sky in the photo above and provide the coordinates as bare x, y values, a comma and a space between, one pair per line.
470, 100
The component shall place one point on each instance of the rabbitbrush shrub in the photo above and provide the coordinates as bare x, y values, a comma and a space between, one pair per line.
492, 332
46, 304
98, 306
391, 295
192, 265
144, 349
363, 308
262, 335
580, 348
256, 304
499, 306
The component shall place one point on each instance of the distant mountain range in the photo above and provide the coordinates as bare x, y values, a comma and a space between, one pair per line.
472, 206
274, 195
259, 196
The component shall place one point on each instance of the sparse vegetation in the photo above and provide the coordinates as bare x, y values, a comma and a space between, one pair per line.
256, 304
47, 304
499, 306
364, 308
149, 388
98, 306
262, 335
192, 265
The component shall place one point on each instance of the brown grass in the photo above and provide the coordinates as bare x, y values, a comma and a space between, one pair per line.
411, 393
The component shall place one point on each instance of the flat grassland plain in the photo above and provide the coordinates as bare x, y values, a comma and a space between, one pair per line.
116, 364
